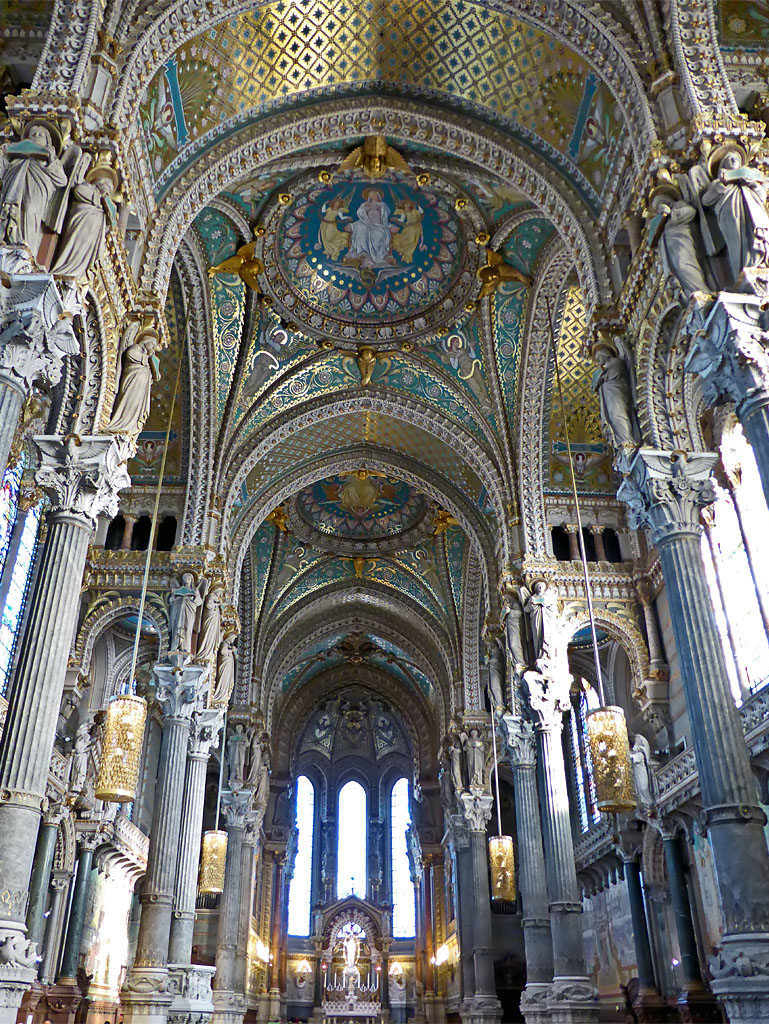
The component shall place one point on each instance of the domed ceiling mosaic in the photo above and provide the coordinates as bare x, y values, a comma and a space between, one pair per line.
360, 261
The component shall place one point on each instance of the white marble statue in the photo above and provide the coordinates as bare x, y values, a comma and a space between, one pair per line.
31, 174
496, 667
256, 760
210, 626
541, 606
680, 244
643, 778
80, 754
225, 671
457, 778
474, 756
139, 367
262, 790
237, 749
92, 211
738, 197
612, 383
183, 605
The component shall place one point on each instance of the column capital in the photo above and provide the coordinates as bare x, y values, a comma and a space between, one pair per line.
476, 809
83, 475
35, 331
665, 490
519, 740
236, 807
548, 699
730, 348
456, 830
205, 726
180, 690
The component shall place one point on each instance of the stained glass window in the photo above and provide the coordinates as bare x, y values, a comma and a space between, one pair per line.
9, 504
587, 801
352, 834
300, 890
404, 909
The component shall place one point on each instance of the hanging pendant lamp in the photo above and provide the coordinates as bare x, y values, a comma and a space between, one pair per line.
121, 749
606, 726
213, 852
501, 849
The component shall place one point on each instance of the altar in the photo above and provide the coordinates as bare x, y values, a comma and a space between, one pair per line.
353, 979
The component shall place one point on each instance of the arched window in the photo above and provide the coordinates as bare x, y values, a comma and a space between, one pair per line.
404, 909
587, 802
300, 890
352, 834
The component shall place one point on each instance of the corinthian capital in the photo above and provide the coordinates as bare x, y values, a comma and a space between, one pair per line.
730, 349
35, 331
548, 699
181, 690
83, 475
476, 809
204, 731
519, 740
666, 490
236, 807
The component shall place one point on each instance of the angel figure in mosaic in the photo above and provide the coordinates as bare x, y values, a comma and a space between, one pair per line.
461, 355
334, 240
410, 235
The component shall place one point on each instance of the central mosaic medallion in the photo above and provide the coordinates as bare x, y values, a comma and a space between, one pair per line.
361, 506
350, 260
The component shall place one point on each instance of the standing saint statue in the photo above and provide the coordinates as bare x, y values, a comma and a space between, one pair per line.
183, 605
475, 752
456, 766
257, 759
681, 244
513, 630
237, 747
225, 671
612, 383
31, 174
541, 605
496, 666
92, 211
139, 367
738, 197
210, 626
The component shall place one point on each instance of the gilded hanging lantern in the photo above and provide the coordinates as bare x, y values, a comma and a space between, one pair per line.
121, 749
212, 857
610, 754
502, 861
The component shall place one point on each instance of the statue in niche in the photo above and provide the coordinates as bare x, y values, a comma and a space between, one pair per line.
541, 606
237, 749
92, 210
457, 779
643, 778
210, 627
139, 367
514, 630
738, 195
183, 607
262, 789
612, 383
475, 751
32, 173
675, 220
225, 671
496, 667
447, 794
257, 760
80, 756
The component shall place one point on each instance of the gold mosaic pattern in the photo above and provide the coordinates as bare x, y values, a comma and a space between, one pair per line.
485, 58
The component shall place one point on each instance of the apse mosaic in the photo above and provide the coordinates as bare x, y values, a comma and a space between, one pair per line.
361, 506
446, 50
354, 261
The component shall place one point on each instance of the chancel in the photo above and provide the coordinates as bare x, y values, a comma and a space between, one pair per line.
384, 524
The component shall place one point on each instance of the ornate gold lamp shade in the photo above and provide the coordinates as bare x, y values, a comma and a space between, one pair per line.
212, 858
502, 861
121, 749
610, 753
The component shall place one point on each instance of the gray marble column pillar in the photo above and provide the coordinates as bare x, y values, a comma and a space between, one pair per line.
521, 748
204, 733
41, 877
180, 691
483, 1006
76, 921
459, 846
664, 492
82, 477
573, 997
60, 883
229, 1002
34, 340
729, 351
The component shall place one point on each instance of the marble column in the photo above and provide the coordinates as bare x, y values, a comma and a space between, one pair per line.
205, 726
41, 873
459, 845
649, 1006
128, 532
35, 337
181, 690
385, 983
665, 492
571, 532
87, 842
60, 883
728, 350
82, 477
521, 748
483, 1006
600, 550
229, 1001
572, 996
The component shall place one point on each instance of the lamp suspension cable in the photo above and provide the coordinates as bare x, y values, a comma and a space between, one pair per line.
221, 770
496, 771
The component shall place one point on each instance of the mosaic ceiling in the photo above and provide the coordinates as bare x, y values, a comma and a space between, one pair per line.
458, 52
361, 506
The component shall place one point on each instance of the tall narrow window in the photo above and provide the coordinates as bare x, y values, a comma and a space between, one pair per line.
404, 909
300, 891
352, 833
583, 766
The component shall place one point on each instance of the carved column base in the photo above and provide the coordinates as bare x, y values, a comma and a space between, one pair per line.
651, 1008
534, 1002
573, 1001
193, 1001
63, 1001
146, 996
481, 1010
14, 982
263, 1008
230, 1007
102, 1008
31, 1000
698, 1006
